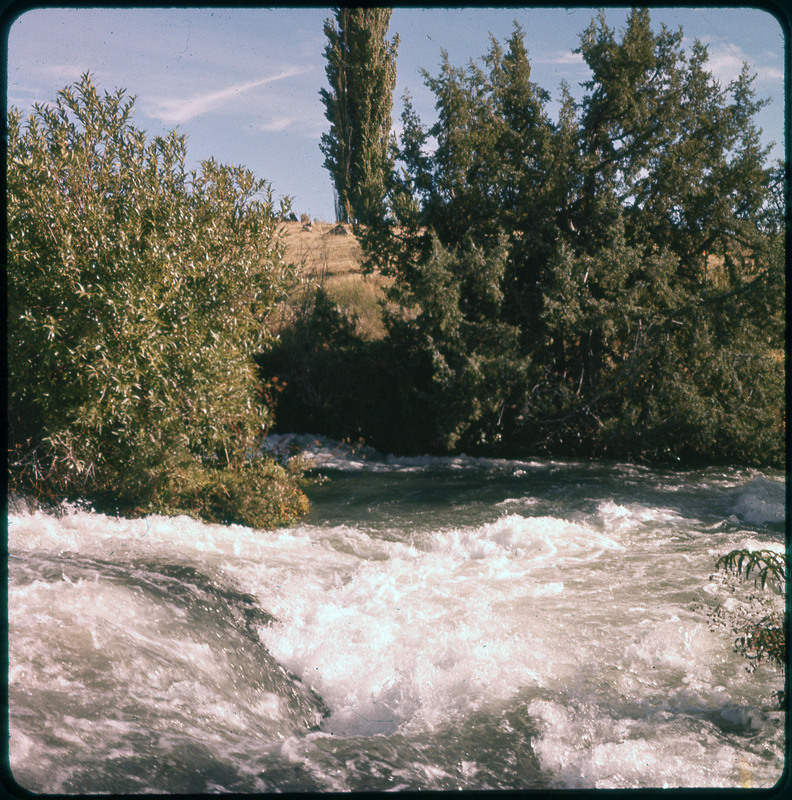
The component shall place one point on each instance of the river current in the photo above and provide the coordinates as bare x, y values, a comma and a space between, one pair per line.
451, 623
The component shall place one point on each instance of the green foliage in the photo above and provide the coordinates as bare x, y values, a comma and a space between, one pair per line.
331, 380
456, 331
609, 283
257, 493
766, 564
138, 292
761, 636
361, 71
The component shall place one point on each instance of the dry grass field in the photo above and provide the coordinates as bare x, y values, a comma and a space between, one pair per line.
329, 255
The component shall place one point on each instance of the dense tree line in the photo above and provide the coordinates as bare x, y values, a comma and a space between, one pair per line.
138, 293
609, 282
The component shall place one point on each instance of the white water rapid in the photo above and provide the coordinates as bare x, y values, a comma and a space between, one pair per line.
434, 624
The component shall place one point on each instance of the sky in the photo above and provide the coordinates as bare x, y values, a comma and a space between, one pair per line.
243, 83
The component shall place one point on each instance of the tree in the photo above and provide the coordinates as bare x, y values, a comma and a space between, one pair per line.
361, 71
138, 292
626, 289
677, 274
464, 228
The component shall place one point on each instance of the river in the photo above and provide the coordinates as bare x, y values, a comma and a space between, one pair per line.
435, 623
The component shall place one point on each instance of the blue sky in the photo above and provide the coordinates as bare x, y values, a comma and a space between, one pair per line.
243, 84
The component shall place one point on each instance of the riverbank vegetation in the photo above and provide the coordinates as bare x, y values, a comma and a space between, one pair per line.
759, 627
607, 283
138, 293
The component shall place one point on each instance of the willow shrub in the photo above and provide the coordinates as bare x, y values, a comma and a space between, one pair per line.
138, 293
761, 631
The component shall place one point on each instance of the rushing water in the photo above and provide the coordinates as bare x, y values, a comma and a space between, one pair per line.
435, 624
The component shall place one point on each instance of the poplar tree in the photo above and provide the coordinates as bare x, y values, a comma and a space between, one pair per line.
361, 71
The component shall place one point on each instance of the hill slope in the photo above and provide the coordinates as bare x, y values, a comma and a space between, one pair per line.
330, 256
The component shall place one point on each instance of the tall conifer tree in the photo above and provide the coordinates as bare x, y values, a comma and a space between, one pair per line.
361, 71
607, 283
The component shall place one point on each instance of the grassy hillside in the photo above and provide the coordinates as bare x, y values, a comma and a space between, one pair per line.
329, 255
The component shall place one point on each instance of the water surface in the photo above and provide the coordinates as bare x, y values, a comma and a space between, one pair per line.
434, 624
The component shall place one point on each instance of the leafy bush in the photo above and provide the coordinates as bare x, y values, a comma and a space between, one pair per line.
761, 631
257, 493
138, 292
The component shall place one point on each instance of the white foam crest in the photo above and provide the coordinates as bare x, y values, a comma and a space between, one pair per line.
761, 501
621, 518
532, 540
463, 461
86, 531
585, 746
414, 640
615, 517
322, 451
521, 502
102, 536
655, 701
752, 543
327, 453
676, 645
432, 631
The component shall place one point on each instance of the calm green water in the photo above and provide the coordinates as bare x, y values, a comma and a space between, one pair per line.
435, 624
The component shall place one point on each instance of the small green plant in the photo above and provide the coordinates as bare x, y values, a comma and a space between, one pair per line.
760, 630
138, 294
765, 564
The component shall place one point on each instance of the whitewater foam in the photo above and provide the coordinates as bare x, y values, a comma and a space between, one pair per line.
760, 502
466, 627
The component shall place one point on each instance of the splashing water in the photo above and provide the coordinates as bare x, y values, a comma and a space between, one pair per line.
434, 624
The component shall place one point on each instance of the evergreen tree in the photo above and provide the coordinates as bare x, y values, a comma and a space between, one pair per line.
465, 226
608, 283
361, 71
675, 276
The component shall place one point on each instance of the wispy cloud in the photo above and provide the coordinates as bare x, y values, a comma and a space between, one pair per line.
726, 58
561, 57
307, 122
726, 62
301, 114
178, 110
279, 124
